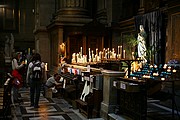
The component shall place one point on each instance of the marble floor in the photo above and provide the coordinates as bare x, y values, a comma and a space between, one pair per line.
50, 109
59, 109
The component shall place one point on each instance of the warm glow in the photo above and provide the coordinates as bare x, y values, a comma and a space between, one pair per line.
174, 70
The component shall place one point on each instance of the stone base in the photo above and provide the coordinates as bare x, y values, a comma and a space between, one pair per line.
104, 114
106, 109
113, 116
7, 59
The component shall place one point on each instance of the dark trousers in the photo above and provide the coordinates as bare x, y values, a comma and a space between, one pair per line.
15, 93
35, 89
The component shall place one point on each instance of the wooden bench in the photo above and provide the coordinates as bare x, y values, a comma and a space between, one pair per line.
72, 89
86, 107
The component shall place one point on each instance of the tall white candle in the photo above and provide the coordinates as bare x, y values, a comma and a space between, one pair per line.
92, 55
96, 51
81, 52
106, 55
118, 49
124, 54
45, 66
104, 52
89, 53
100, 54
133, 55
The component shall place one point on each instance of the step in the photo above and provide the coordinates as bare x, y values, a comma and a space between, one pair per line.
113, 116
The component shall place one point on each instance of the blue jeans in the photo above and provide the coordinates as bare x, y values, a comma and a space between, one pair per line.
35, 89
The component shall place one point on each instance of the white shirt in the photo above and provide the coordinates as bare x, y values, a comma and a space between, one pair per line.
29, 72
15, 65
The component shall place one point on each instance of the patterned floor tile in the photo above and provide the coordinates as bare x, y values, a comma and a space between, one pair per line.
50, 109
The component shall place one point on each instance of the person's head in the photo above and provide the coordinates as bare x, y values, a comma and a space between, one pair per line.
15, 55
56, 76
33, 51
36, 57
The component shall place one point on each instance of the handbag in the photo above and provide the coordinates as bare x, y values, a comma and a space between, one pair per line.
16, 83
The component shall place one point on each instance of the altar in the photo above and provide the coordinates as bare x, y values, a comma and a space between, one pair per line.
145, 91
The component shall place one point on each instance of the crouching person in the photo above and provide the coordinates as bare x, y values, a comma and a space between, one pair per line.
51, 84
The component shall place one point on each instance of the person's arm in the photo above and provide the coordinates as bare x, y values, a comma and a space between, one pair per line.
57, 83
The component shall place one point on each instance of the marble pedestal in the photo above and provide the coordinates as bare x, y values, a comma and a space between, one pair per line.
109, 102
7, 60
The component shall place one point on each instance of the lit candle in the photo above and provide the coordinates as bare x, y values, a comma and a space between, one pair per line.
108, 52
124, 54
96, 51
92, 55
118, 49
174, 70
133, 55
89, 53
114, 55
168, 70
106, 56
165, 66
155, 66
81, 52
104, 52
100, 54
45, 66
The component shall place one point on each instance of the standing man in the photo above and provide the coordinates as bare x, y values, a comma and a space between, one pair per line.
35, 75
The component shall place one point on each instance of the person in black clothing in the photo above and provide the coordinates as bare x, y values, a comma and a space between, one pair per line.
35, 85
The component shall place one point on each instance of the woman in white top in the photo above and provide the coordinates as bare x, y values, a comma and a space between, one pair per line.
17, 81
16, 68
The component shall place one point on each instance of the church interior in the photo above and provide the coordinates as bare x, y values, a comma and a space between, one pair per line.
117, 59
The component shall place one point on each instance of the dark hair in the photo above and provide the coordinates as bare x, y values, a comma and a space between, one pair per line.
15, 55
36, 57
56, 74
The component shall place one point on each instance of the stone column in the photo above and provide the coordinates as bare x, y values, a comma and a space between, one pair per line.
109, 92
71, 9
141, 7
